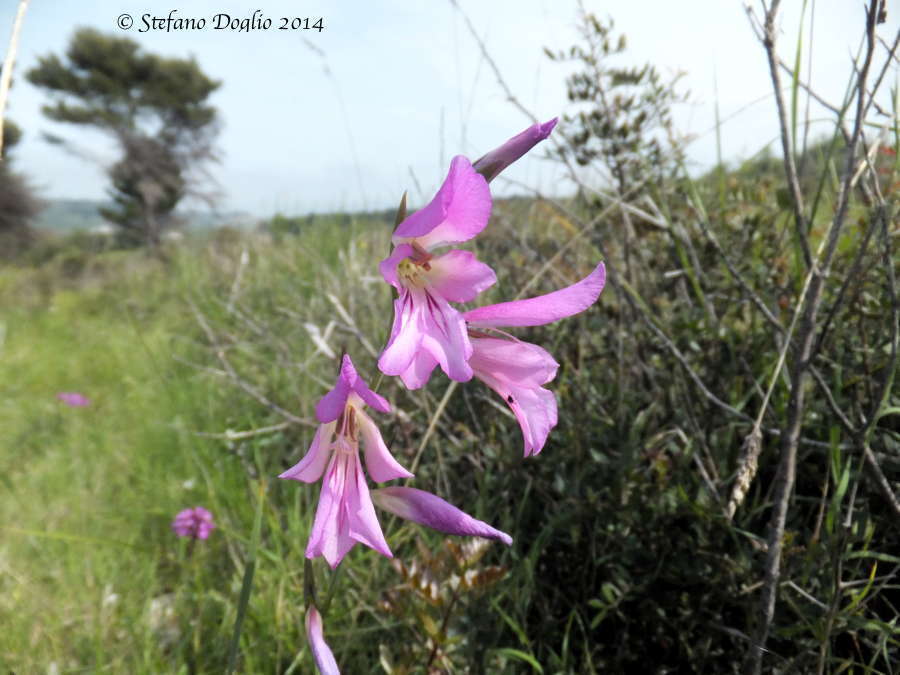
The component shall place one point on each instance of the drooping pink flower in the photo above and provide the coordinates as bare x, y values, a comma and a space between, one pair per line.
431, 511
345, 514
427, 330
491, 164
517, 370
196, 523
73, 399
321, 652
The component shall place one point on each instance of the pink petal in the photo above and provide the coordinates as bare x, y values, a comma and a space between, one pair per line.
515, 371
330, 536
406, 333
388, 266
432, 511
458, 276
310, 468
373, 400
361, 519
419, 371
426, 322
332, 404
544, 308
458, 212
524, 363
447, 339
320, 650
380, 463
498, 159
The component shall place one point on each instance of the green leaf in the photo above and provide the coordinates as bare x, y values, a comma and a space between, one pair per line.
518, 655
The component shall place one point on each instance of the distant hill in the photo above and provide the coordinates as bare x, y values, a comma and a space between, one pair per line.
67, 215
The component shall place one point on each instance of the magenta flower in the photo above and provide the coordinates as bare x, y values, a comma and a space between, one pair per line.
427, 331
432, 511
73, 399
517, 370
196, 523
345, 514
498, 159
320, 650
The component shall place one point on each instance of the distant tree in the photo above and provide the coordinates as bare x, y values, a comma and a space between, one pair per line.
18, 206
154, 107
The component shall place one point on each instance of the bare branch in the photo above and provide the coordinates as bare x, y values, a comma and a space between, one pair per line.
784, 478
790, 167
8, 65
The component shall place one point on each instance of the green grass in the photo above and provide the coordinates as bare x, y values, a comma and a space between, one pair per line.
92, 578
88, 493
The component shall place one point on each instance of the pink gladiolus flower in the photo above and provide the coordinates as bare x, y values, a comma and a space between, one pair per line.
320, 650
345, 514
427, 331
498, 159
196, 523
515, 369
73, 399
432, 511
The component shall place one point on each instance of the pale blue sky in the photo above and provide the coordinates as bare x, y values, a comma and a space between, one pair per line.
409, 88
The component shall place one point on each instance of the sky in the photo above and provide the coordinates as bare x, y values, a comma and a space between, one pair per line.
381, 99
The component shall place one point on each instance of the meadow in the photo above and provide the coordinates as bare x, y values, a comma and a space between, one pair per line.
719, 495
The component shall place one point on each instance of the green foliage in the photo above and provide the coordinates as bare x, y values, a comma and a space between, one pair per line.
154, 107
18, 205
107, 81
12, 134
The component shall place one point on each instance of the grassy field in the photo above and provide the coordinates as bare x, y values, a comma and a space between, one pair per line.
93, 579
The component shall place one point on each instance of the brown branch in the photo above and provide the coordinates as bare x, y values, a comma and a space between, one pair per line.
9, 63
790, 167
881, 482
786, 472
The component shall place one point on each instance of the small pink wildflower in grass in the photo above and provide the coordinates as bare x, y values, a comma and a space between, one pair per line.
73, 399
196, 523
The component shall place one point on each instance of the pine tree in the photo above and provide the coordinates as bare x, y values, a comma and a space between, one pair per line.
154, 107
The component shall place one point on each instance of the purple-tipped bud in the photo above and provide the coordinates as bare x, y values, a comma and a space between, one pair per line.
498, 159
320, 650
432, 511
